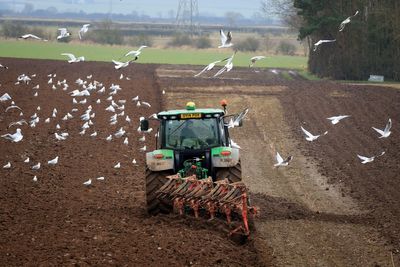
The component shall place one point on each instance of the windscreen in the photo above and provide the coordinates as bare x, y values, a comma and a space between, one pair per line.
191, 134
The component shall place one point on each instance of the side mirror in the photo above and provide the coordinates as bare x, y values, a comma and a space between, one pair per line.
144, 125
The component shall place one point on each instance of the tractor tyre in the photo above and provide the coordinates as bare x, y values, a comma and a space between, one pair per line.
234, 174
154, 181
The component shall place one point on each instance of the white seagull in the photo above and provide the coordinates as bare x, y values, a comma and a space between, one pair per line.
365, 160
15, 137
346, 21
7, 166
72, 58
117, 166
135, 53
310, 137
226, 40
322, 42
280, 161
228, 66
119, 65
5, 97
36, 167
31, 36
254, 59
336, 119
53, 161
88, 182
207, 68
63, 33
83, 30
385, 132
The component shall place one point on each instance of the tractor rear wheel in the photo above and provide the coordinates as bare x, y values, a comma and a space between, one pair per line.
234, 174
154, 181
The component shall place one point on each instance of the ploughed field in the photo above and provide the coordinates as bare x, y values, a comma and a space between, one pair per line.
325, 208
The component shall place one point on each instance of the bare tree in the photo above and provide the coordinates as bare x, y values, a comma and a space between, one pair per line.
283, 9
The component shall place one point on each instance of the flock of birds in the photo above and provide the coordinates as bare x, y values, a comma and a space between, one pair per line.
131, 56
383, 133
341, 28
83, 94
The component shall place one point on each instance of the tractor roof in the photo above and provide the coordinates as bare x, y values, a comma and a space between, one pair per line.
177, 112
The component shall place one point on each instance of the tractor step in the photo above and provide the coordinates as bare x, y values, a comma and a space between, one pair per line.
215, 198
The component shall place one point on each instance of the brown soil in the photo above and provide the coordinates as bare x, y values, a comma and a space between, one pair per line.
324, 209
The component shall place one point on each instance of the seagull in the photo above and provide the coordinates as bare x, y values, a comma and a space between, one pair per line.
59, 137
254, 59
36, 167
100, 178
311, 137
88, 182
207, 68
53, 161
5, 97
7, 166
336, 119
3, 67
346, 21
83, 30
365, 160
27, 160
142, 139
120, 132
280, 161
126, 142
146, 104
135, 53
12, 107
225, 39
117, 166
119, 65
34, 178
143, 148
234, 145
72, 58
109, 138
31, 36
134, 161
15, 138
322, 42
228, 66
386, 132
63, 33
136, 98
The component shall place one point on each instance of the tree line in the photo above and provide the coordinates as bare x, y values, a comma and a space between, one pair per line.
369, 44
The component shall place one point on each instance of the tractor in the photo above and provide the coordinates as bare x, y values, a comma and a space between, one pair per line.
196, 165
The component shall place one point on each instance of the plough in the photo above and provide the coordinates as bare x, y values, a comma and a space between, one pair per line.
188, 190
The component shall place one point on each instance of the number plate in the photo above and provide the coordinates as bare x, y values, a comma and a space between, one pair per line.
191, 116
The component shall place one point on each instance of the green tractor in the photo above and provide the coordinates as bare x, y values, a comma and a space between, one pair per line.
191, 141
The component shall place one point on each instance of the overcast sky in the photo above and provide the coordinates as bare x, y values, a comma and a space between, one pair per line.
149, 7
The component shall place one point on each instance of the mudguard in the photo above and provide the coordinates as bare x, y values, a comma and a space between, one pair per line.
160, 160
222, 157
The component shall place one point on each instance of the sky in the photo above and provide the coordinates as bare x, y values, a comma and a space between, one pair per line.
149, 7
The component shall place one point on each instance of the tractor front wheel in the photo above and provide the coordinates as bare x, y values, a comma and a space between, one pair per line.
154, 181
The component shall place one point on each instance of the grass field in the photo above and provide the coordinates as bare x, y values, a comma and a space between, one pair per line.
92, 52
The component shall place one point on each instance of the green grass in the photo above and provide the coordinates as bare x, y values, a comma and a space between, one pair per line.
92, 52
309, 76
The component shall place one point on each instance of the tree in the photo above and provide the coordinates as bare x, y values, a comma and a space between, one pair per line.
233, 17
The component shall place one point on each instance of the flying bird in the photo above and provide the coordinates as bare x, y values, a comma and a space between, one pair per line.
64, 33
385, 132
20, 122
228, 66
15, 138
135, 53
31, 36
310, 137
83, 30
254, 59
365, 160
336, 119
5, 97
72, 58
226, 40
207, 68
119, 65
322, 42
346, 21
280, 161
